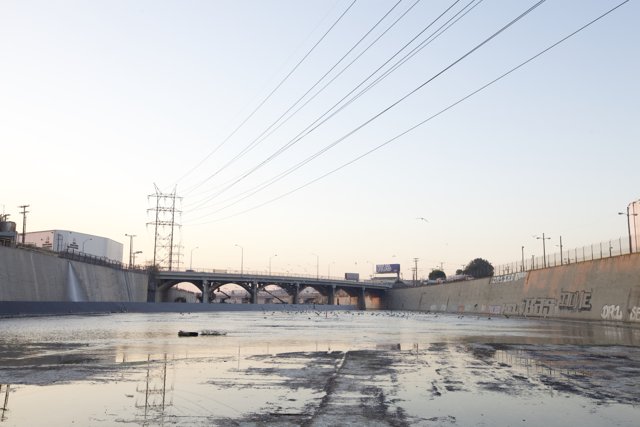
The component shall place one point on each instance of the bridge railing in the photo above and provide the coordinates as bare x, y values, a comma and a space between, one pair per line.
263, 273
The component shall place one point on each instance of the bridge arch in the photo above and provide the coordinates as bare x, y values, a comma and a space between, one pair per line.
253, 285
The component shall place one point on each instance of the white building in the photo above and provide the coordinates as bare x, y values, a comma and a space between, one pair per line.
72, 241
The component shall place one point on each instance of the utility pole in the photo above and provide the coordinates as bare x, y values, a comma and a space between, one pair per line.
629, 226
24, 220
130, 236
544, 249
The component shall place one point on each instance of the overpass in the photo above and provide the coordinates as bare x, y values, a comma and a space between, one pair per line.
208, 282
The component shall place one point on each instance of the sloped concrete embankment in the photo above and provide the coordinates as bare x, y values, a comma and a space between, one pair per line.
605, 289
34, 276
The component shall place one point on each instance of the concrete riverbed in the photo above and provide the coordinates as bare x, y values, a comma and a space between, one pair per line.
312, 368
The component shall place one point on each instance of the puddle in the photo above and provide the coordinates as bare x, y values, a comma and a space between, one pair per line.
305, 369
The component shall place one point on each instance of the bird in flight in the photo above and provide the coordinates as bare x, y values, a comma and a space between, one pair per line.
421, 218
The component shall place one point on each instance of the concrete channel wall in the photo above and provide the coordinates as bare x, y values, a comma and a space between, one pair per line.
605, 289
36, 276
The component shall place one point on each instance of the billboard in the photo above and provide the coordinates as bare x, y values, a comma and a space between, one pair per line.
352, 276
387, 268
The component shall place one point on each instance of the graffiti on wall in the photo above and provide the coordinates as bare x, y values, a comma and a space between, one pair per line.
510, 309
538, 306
531, 307
505, 278
495, 309
614, 312
575, 301
611, 312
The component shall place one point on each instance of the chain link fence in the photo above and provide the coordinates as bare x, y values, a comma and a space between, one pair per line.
600, 250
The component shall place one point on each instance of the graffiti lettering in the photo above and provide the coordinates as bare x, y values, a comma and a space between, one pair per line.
611, 312
508, 277
634, 316
510, 309
538, 306
495, 309
575, 301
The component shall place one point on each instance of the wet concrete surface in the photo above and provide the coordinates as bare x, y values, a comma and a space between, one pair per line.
317, 369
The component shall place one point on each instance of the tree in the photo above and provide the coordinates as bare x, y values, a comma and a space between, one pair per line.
459, 272
437, 274
479, 268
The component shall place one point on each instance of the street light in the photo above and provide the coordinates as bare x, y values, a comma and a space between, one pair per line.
522, 267
191, 258
544, 250
329, 269
270, 263
85, 241
241, 259
317, 266
134, 256
628, 225
373, 271
130, 236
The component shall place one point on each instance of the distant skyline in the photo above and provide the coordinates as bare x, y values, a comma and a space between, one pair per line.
100, 101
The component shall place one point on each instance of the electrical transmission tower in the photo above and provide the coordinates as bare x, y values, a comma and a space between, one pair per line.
164, 226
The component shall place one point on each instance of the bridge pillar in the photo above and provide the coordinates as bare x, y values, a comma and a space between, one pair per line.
205, 291
254, 293
362, 302
296, 293
331, 295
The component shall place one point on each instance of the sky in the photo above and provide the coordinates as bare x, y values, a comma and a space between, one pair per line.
106, 103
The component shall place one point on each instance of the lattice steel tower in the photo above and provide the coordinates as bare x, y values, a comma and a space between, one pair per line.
164, 225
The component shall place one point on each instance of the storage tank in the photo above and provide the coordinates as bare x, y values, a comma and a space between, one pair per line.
7, 227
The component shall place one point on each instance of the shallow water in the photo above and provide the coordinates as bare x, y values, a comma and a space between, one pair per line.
317, 369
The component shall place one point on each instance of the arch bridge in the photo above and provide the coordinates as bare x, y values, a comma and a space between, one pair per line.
208, 282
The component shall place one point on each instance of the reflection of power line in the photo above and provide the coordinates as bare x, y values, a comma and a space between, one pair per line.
155, 386
6, 401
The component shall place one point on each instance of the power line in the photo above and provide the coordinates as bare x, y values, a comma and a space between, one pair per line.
428, 119
448, 24
260, 138
286, 77
323, 118
394, 104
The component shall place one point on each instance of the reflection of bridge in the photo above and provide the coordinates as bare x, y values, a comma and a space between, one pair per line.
253, 283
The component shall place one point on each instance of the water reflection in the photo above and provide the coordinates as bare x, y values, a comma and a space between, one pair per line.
155, 390
288, 368
5, 406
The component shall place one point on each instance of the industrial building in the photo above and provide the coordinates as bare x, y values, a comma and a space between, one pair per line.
72, 241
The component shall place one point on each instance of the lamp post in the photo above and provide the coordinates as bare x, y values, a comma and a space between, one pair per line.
329, 269
270, 263
85, 241
629, 225
317, 266
373, 271
241, 259
191, 258
134, 256
522, 267
544, 250
130, 236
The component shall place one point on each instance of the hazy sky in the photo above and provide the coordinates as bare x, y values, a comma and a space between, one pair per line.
100, 100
